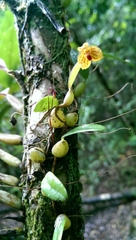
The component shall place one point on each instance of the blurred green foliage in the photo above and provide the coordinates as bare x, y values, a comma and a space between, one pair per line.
9, 52
110, 25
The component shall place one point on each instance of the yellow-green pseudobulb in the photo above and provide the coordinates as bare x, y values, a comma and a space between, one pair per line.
60, 149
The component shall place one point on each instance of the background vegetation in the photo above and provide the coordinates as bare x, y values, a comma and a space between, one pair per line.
110, 25
9, 52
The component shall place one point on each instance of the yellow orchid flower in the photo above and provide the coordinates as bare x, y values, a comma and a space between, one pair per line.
87, 54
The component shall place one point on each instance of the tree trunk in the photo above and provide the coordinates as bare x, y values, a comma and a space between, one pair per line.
44, 52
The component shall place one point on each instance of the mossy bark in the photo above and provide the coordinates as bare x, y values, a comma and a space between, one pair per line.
44, 52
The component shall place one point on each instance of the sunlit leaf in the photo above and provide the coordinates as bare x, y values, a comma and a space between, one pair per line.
46, 104
85, 128
9, 50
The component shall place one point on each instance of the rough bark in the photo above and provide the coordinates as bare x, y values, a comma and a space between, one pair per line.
44, 52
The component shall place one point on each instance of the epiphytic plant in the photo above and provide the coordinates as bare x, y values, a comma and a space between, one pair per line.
51, 186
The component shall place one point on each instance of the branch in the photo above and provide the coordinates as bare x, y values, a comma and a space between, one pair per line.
99, 203
107, 197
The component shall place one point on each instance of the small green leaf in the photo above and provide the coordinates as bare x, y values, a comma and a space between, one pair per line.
46, 104
84, 73
85, 128
53, 188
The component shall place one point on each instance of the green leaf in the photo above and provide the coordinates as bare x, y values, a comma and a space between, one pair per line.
9, 49
46, 104
53, 188
84, 73
85, 128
